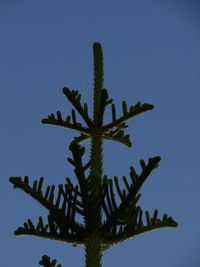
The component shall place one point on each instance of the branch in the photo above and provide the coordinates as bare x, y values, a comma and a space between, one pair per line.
69, 205
128, 199
84, 183
66, 124
136, 227
119, 136
74, 97
134, 111
46, 262
50, 231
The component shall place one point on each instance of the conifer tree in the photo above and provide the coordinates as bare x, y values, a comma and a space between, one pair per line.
107, 221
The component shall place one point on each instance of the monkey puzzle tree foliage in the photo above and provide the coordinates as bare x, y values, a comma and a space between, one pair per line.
107, 221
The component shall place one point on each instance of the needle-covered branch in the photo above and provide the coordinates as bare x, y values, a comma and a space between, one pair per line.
52, 120
46, 262
127, 198
127, 115
52, 230
136, 227
75, 98
62, 208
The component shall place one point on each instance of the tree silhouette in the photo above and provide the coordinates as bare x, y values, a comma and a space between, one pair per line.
94, 197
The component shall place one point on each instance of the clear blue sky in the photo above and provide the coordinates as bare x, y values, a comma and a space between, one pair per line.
152, 55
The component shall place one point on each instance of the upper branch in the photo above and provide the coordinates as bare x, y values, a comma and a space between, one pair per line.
74, 97
60, 122
134, 111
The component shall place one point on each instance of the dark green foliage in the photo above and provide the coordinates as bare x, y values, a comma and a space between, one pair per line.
46, 262
94, 196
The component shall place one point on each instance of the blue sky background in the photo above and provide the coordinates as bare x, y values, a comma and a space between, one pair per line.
152, 55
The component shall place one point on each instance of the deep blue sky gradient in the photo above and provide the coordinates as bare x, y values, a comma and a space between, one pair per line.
152, 55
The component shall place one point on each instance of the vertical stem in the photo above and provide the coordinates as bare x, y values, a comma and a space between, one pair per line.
93, 250
98, 81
